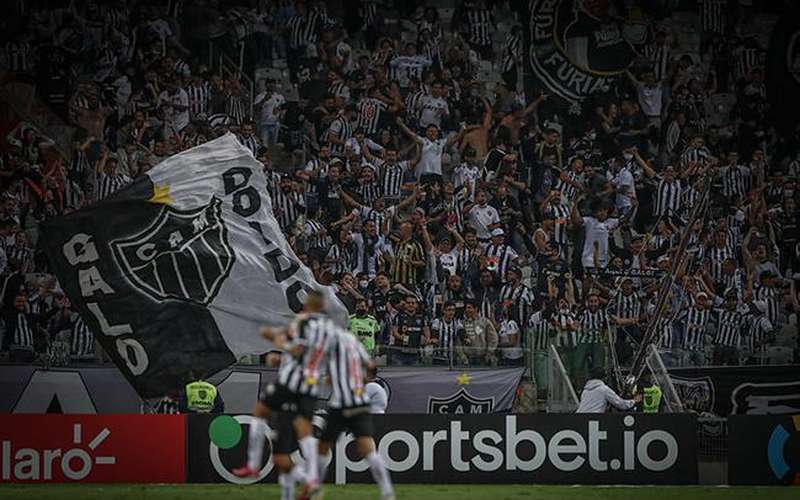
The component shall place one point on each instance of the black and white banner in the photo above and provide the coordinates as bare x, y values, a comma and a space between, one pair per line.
495, 449
576, 47
176, 273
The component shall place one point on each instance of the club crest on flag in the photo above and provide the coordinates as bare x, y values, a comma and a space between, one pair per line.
183, 254
460, 402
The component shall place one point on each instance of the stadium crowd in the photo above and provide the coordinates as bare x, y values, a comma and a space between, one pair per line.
460, 222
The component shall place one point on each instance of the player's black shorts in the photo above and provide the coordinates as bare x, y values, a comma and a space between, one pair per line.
280, 399
356, 420
284, 438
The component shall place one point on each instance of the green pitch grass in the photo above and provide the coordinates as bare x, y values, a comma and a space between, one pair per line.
410, 492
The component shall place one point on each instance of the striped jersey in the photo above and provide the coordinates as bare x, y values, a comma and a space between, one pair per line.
694, 333
22, 337
730, 326
736, 180
110, 184
369, 114
626, 306
592, 326
303, 374
538, 333
81, 340
347, 361
501, 256
479, 26
447, 332
391, 178
668, 198
342, 129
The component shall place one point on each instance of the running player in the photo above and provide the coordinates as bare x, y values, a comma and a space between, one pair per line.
349, 407
292, 397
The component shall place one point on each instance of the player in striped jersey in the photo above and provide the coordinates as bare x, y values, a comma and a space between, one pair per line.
349, 406
291, 399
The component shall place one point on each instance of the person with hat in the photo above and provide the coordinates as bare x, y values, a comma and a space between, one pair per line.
596, 396
499, 256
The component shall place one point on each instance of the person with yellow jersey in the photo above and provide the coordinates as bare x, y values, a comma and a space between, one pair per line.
364, 326
652, 396
200, 396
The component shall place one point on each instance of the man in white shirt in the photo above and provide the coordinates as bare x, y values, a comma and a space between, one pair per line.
650, 93
432, 108
429, 166
174, 106
598, 229
270, 104
483, 218
596, 395
378, 399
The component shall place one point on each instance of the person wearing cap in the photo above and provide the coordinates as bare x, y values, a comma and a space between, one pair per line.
499, 256
596, 396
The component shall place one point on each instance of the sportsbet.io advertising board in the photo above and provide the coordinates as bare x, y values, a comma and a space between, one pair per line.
625, 449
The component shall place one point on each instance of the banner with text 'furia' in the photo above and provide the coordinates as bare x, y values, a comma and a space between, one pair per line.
576, 47
176, 273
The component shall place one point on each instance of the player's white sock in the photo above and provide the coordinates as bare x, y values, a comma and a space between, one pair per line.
287, 486
379, 473
308, 445
322, 466
299, 475
255, 444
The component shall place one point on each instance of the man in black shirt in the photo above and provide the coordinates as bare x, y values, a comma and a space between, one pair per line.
410, 332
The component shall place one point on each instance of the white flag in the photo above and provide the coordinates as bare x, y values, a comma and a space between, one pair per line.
176, 273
